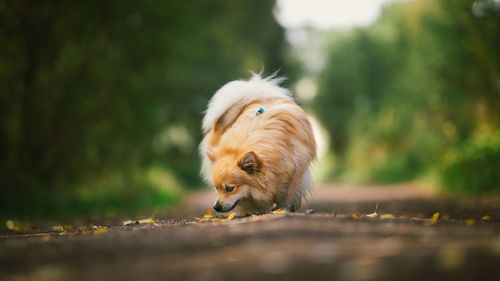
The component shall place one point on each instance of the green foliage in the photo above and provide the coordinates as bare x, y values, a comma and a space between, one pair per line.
396, 96
474, 167
66, 203
92, 89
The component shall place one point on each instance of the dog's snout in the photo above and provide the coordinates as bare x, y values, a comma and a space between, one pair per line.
218, 207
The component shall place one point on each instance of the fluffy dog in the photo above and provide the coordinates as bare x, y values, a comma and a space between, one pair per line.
257, 147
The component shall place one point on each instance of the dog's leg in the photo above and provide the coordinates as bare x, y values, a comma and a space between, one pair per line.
295, 205
298, 189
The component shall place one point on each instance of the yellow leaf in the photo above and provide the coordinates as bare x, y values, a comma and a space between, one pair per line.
435, 218
387, 216
356, 214
485, 218
208, 214
149, 220
230, 217
278, 211
143, 221
11, 225
57, 228
99, 229
470, 222
203, 219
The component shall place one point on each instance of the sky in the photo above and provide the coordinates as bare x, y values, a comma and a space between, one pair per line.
327, 14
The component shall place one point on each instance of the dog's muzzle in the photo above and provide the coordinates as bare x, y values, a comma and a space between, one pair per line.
219, 208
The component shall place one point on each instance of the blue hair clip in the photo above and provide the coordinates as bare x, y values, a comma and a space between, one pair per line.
260, 111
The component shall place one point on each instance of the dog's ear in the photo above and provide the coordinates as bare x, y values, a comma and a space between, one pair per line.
250, 163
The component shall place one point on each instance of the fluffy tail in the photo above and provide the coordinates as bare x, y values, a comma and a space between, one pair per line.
221, 108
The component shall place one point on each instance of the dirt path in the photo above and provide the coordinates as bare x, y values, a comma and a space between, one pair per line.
336, 242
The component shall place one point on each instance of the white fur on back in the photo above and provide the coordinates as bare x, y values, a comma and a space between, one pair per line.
248, 90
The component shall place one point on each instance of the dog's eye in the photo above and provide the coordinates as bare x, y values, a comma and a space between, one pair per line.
229, 188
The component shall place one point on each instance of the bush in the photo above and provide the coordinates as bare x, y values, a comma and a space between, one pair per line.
474, 168
398, 96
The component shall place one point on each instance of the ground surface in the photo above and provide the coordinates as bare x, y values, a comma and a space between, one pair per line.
335, 242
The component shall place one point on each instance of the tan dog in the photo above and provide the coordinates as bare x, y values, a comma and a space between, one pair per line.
257, 147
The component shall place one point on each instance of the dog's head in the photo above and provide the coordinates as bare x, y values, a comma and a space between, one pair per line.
236, 178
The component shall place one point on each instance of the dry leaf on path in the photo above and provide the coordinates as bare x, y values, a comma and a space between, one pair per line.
143, 221
387, 216
470, 222
432, 220
230, 217
435, 218
99, 229
57, 228
208, 216
278, 211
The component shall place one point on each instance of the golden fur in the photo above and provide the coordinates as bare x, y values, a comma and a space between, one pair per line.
264, 157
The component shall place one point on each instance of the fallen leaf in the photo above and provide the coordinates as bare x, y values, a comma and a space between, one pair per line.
356, 214
485, 218
99, 229
57, 228
470, 222
435, 218
230, 217
432, 219
18, 225
208, 214
387, 216
278, 211
11, 225
145, 221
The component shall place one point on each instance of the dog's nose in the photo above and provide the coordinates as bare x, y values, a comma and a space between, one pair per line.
218, 207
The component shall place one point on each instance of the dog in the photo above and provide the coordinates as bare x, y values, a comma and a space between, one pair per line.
257, 147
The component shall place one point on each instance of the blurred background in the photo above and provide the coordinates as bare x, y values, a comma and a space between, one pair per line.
101, 102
